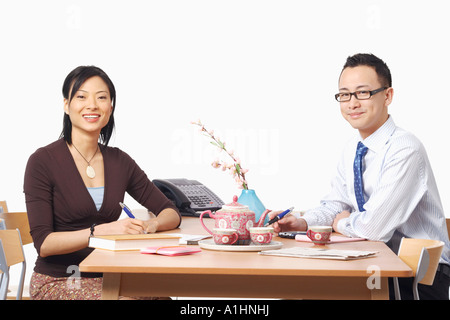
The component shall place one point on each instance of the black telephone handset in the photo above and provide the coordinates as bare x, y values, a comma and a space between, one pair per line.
189, 196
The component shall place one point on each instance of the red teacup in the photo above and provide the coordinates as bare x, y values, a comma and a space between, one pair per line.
225, 236
261, 235
319, 235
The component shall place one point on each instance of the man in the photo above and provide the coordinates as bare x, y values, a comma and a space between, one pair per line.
388, 191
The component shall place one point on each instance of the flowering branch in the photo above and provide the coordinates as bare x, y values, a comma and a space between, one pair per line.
235, 168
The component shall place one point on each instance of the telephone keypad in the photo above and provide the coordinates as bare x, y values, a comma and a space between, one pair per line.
200, 196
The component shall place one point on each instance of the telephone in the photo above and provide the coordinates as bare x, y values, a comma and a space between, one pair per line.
189, 196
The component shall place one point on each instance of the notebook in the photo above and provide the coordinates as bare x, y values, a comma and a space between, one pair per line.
127, 241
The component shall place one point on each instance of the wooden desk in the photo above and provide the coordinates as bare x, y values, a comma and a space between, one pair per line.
244, 274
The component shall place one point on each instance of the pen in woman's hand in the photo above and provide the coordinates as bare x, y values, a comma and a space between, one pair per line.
127, 210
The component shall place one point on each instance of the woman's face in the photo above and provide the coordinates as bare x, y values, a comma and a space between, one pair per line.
90, 108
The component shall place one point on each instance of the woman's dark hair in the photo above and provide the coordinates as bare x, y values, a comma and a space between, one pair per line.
72, 84
368, 59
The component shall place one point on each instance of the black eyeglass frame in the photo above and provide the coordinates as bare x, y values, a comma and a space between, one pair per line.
336, 96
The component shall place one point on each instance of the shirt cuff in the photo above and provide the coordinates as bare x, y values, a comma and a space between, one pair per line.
342, 226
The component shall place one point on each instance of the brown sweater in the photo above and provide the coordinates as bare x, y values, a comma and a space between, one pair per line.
58, 200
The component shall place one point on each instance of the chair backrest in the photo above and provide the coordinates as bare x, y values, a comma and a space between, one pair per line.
12, 246
410, 252
11, 253
3, 206
4, 273
18, 220
448, 227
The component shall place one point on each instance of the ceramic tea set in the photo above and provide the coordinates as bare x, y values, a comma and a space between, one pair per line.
235, 225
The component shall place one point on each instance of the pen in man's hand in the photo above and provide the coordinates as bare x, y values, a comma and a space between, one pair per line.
127, 210
278, 217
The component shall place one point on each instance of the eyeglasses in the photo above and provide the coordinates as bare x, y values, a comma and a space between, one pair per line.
360, 94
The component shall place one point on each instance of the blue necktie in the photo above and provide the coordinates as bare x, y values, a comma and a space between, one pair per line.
357, 169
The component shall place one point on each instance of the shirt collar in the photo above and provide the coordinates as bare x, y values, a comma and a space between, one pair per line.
379, 138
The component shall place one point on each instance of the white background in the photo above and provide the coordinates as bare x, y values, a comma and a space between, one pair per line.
261, 74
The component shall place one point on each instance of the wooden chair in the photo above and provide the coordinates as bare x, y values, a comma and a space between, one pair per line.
11, 253
422, 256
3, 207
18, 220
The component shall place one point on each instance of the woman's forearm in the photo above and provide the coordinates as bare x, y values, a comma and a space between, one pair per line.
64, 242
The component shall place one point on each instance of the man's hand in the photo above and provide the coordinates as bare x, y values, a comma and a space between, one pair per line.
288, 223
339, 216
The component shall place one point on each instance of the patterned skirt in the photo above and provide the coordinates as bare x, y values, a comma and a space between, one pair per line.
43, 287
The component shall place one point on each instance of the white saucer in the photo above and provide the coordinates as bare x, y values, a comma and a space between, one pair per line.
211, 245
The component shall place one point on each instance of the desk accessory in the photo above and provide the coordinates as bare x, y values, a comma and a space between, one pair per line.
170, 250
250, 199
123, 242
290, 234
192, 239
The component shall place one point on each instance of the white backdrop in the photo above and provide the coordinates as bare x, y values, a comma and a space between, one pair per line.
262, 74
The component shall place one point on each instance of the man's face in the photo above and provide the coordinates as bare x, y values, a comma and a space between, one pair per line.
365, 115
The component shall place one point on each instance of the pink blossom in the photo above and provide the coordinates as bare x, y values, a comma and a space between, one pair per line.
216, 164
235, 168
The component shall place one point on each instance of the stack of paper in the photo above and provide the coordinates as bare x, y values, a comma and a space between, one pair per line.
319, 253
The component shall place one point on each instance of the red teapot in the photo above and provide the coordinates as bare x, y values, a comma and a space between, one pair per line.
235, 216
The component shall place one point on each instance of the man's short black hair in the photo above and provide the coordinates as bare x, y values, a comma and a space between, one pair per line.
368, 59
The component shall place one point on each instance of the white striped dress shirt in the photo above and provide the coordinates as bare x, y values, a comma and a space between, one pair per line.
402, 199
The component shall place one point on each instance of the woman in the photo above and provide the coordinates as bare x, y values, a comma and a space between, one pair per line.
73, 188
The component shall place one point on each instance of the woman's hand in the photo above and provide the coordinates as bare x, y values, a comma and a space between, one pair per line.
151, 226
167, 219
122, 226
69, 241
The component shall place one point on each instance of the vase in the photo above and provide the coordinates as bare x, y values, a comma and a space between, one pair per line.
249, 198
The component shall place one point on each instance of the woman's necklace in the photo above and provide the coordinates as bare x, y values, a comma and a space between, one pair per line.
89, 170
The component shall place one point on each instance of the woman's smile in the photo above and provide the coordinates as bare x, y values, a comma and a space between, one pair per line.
91, 117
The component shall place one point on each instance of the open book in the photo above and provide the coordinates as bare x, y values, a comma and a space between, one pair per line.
127, 241
320, 253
